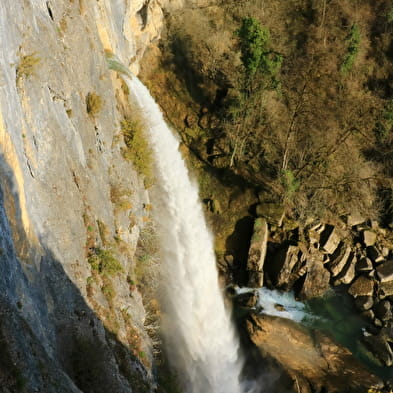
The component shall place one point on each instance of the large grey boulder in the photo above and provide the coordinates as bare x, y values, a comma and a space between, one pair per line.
383, 310
347, 274
379, 345
339, 260
369, 237
385, 271
257, 253
330, 239
317, 278
364, 303
284, 265
310, 358
362, 286
386, 289
364, 264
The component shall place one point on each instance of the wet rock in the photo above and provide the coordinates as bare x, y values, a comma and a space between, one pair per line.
246, 300
379, 347
364, 303
309, 356
369, 314
363, 286
279, 307
330, 239
383, 310
378, 322
369, 238
257, 253
385, 271
273, 212
364, 264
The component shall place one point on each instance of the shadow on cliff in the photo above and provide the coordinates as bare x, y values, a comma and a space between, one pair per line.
50, 339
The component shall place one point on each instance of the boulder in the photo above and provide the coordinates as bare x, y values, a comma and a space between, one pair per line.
330, 239
307, 356
369, 314
386, 289
314, 234
380, 348
355, 219
257, 253
364, 264
363, 286
339, 260
383, 310
374, 254
273, 212
364, 303
347, 275
284, 264
369, 238
317, 278
247, 300
385, 252
385, 271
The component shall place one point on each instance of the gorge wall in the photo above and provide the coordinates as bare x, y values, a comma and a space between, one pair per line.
73, 208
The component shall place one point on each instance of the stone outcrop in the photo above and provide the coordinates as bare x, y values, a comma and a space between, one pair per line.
68, 196
257, 253
314, 361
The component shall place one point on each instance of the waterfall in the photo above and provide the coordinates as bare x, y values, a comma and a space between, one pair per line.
200, 337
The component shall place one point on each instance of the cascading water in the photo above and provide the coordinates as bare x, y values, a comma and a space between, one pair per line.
199, 334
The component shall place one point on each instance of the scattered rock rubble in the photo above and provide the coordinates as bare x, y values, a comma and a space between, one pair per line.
311, 260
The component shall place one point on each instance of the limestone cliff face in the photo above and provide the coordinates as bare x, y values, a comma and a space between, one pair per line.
68, 197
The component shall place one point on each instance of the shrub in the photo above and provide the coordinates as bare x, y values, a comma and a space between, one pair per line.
256, 54
291, 184
138, 150
94, 103
27, 65
353, 41
385, 125
103, 262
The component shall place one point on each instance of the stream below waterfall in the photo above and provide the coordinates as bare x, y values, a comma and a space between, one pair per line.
334, 314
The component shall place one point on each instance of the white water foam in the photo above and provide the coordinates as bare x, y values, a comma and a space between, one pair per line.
199, 334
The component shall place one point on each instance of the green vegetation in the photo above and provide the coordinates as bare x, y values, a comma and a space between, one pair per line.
138, 150
384, 126
94, 104
103, 262
256, 54
353, 42
291, 184
253, 44
27, 65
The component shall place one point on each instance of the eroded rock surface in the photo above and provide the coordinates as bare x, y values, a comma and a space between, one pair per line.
313, 360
